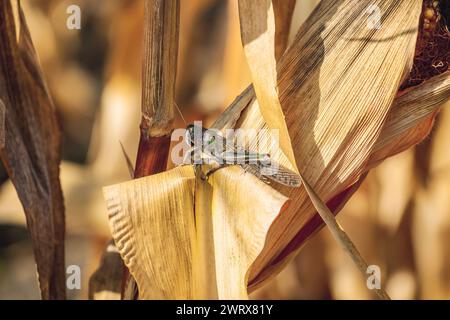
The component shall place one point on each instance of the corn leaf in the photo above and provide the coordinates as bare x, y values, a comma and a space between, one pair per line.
258, 36
283, 11
337, 82
178, 246
411, 117
31, 150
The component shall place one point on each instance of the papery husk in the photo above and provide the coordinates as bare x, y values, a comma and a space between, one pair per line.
283, 11
337, 83
411, 117
180, 247
147, 225
257, 20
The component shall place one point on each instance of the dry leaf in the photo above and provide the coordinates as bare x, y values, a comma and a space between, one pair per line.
283, 11
31, 152
337, 83
258, 36
411, 117
176, 249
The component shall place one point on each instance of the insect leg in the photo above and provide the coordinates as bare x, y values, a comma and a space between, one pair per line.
199, 172
211, 171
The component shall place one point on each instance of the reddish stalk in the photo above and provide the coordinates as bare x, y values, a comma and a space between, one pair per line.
161, 25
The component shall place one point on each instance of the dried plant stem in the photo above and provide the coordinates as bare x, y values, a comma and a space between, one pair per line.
161, 26
340, 236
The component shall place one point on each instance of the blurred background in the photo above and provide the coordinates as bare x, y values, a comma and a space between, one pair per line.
399, 218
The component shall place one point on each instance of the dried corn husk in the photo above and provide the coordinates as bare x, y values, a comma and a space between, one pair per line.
283, 12
180, 247
337, 83
411, 117
258, 36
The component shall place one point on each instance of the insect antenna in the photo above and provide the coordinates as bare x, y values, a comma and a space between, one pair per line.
181, 114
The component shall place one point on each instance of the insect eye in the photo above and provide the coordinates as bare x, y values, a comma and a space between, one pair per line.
189, 135
190, 128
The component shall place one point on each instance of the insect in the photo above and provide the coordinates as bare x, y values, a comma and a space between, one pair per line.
210, 147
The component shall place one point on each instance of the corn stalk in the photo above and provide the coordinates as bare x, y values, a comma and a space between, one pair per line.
161, 24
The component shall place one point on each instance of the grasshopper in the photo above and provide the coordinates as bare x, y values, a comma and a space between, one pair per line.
210, 147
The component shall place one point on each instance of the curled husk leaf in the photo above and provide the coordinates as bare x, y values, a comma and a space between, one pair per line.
178, 246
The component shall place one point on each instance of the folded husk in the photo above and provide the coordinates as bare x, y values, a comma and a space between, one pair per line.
409, 121
411, 117
178, 249
283, 11
337, 83
258, 36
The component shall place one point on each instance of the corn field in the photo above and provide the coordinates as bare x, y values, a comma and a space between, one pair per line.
343, 106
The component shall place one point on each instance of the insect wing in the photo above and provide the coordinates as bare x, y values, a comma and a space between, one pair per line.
277, 173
